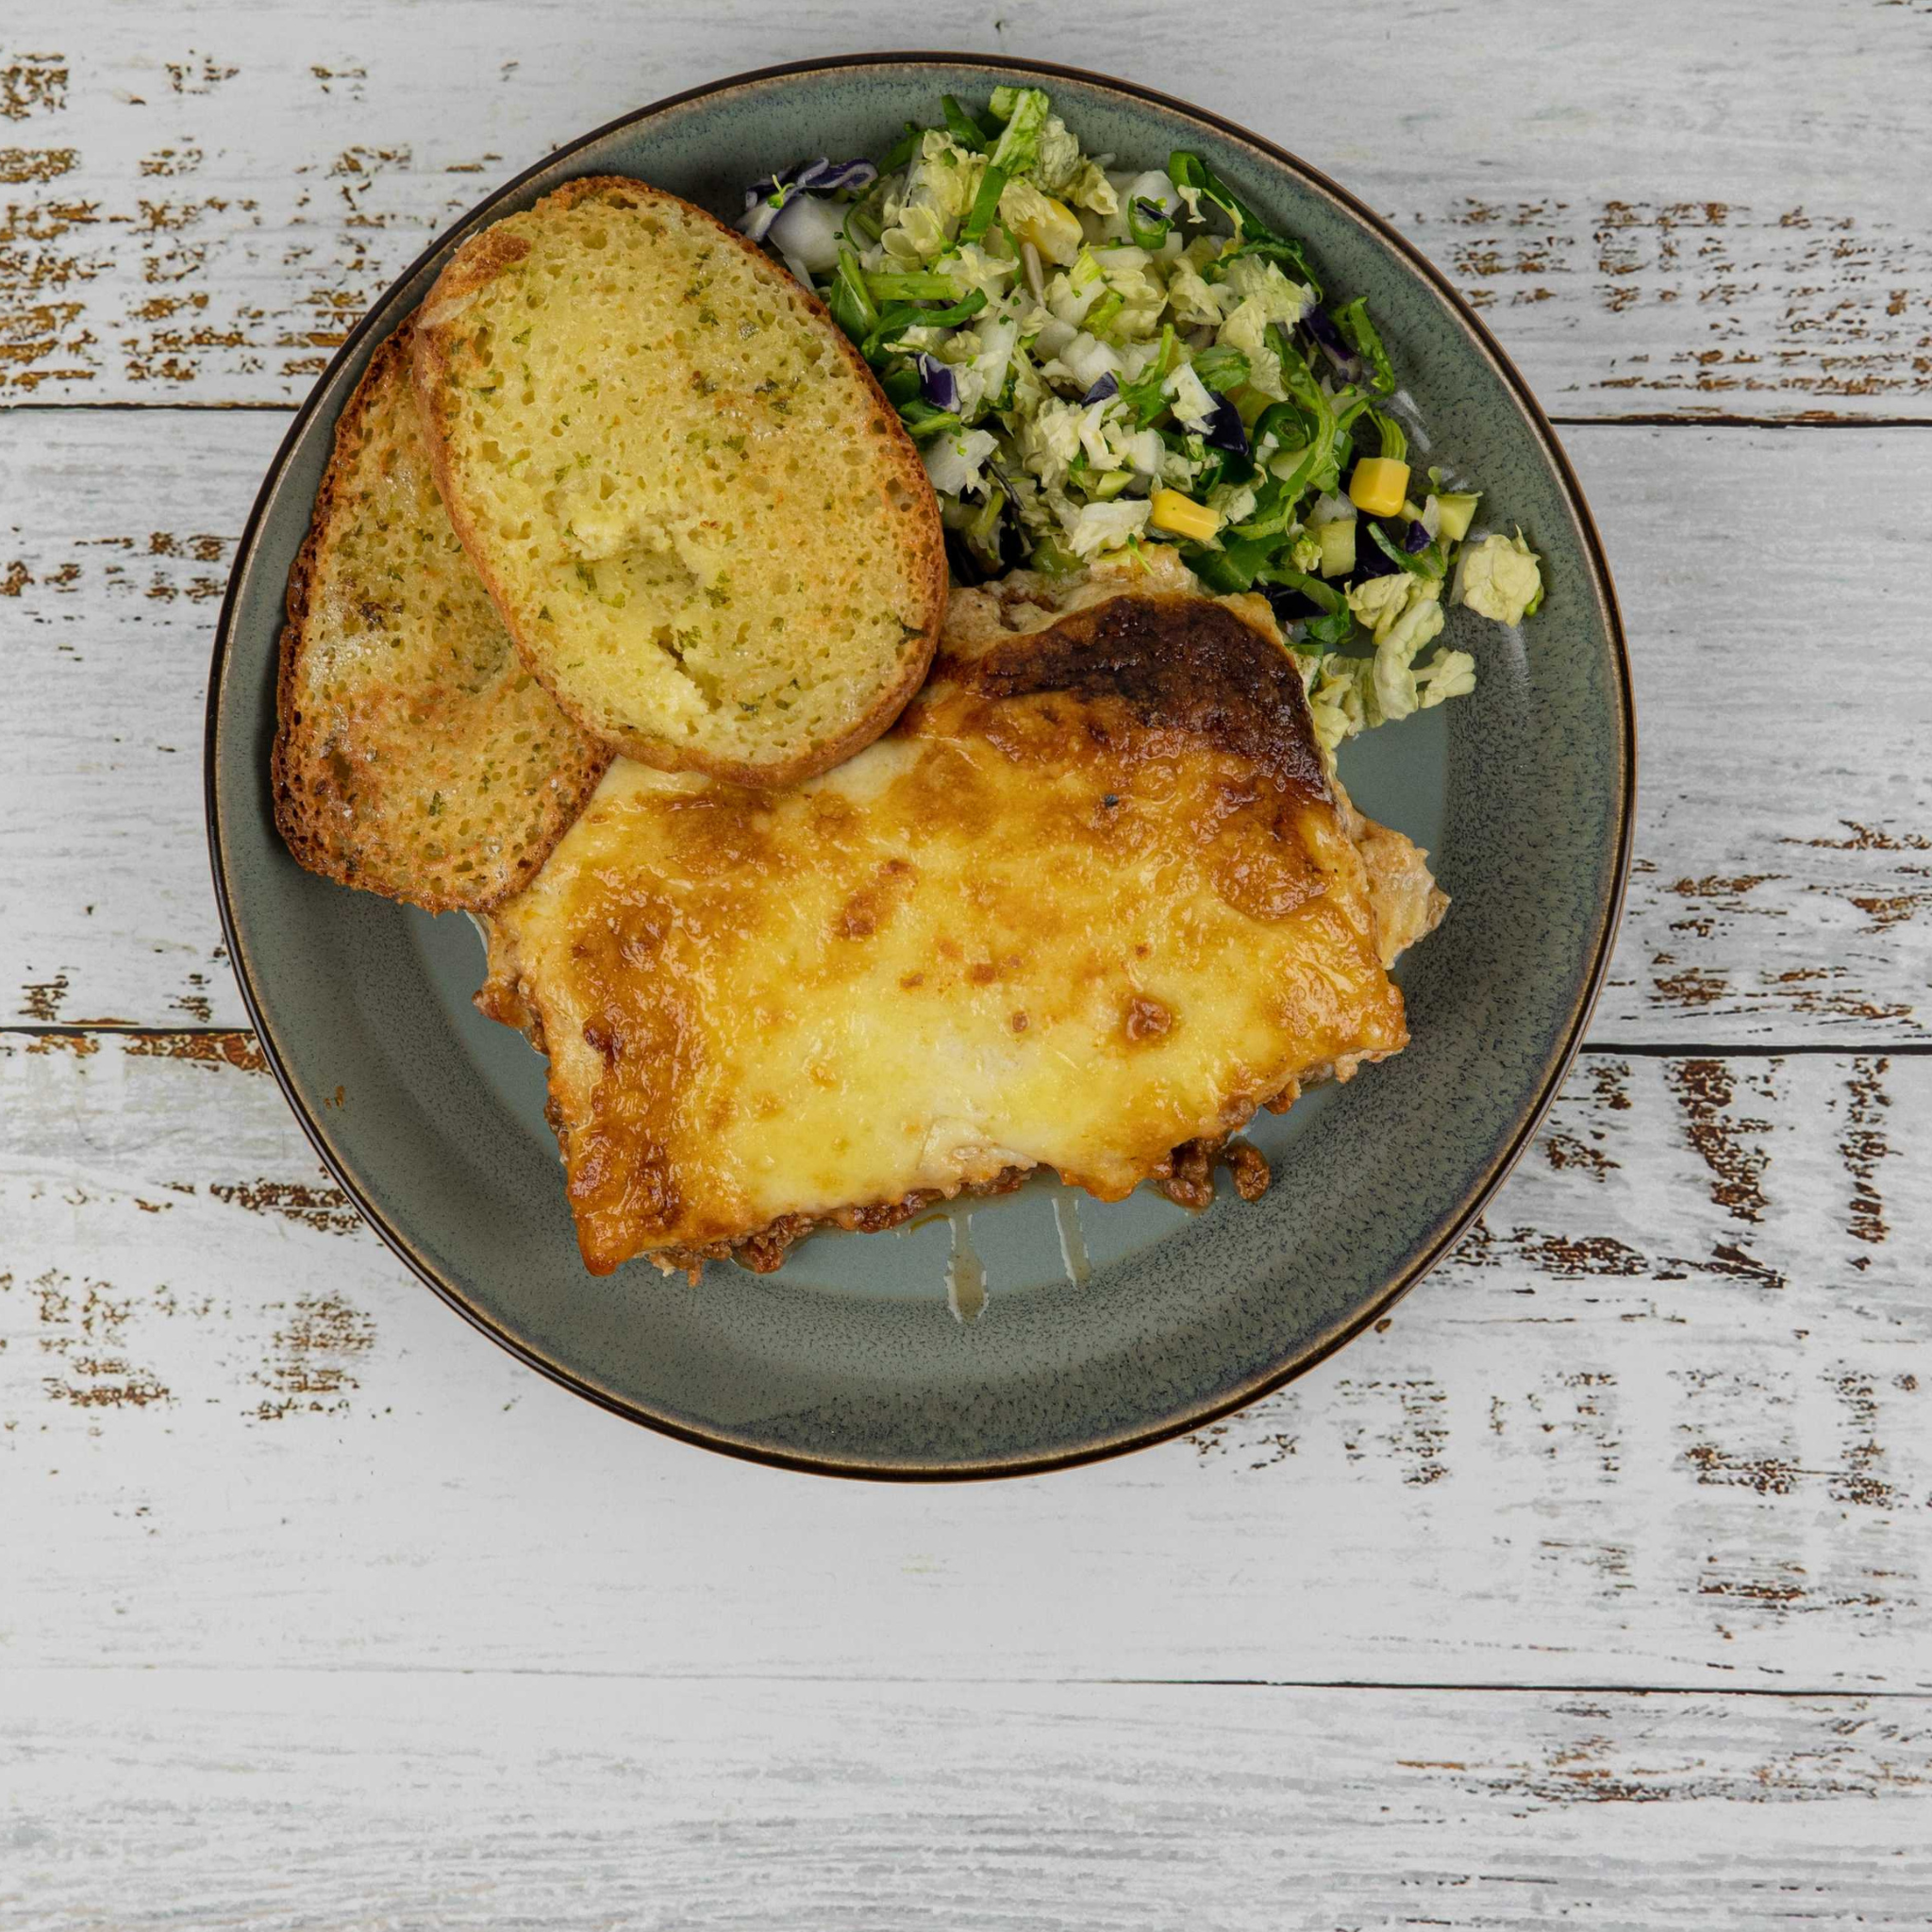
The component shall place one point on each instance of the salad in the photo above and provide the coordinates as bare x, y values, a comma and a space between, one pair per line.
1092, 359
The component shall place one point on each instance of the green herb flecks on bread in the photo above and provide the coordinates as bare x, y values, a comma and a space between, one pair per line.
415, 754
701, 521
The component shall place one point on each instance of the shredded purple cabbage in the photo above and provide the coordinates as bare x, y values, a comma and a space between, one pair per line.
835, 178
1324, 332
1372, 560
1109, 385
766, 196
1332, 343
937, 383
1225, 429
1415, 540
1290, 605
768, 185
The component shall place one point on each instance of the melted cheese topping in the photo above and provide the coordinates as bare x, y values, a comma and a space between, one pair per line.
1024, 931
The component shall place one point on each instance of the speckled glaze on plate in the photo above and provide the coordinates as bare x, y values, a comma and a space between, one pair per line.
1103, 1328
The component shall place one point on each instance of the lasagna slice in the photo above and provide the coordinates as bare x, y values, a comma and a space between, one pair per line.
1089, 906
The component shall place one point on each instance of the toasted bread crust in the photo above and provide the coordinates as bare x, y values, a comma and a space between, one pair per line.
480, 262
298, 759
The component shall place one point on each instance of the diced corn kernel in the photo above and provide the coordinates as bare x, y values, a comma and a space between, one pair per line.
1181, 516
1336, 538
1378, 485
1055, 230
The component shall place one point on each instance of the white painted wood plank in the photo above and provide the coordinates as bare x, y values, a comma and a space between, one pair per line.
1658, 208
1783, 888
1667, 1419
1782, 883
355, 1800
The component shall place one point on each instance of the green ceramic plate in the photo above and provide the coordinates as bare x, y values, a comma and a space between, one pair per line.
1103, 1326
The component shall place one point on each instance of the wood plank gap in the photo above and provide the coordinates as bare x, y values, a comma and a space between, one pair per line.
1651, 420
1756, 1050
77, 407
1422, 1687
1397, 1686
124, 1030
1666, 420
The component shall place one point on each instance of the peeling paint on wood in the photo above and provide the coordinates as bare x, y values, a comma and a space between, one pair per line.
1768, 901
1642, 1429
326, 1209
204, 226
1038, 1807
1706, 1090
1862, 1146
201, 1049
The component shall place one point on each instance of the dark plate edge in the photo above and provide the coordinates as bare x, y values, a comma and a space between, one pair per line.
1608, 912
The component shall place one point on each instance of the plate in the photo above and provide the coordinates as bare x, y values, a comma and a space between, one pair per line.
1044, 1328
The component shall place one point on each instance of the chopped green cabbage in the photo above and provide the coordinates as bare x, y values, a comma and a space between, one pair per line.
1500, 579
1447, 675
1055, 227
922, 217
1378, 602
1026, 111
1096, 527
1398, 648
1193, 403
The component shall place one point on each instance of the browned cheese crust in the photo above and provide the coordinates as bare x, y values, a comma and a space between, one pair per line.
1093, 894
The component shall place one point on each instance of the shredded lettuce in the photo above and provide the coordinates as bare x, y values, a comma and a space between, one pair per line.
1378, 602
1222, 368
1060, 167
1358, 332
1048, 225
1196, 302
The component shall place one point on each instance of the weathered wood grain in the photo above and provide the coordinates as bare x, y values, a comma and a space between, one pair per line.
147, 1800
315, 1610
1666, 1420
1658, 208
1783, 888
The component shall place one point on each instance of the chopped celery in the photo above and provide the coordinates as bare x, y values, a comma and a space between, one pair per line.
1456, 514
1336, 538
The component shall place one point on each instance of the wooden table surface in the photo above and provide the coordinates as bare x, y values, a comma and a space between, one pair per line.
1591, 1589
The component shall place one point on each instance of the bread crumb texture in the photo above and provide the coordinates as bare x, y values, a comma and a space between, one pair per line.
709, 533
416, 755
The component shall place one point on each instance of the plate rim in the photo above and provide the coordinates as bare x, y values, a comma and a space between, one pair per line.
1609, 910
